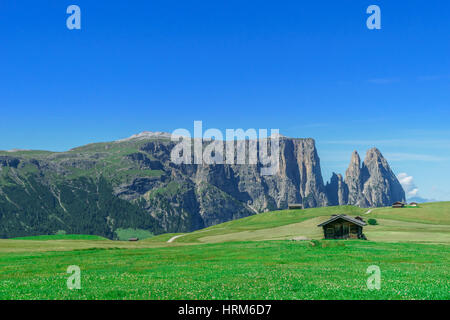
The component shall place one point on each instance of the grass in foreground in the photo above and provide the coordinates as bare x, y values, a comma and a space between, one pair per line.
224, 261
234, 270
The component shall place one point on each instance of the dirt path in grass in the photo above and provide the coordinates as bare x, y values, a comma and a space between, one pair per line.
175, 237
184, 234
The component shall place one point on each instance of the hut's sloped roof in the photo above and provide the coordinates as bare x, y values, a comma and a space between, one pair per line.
346, 218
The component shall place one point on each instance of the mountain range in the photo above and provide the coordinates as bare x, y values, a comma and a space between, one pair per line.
101, 188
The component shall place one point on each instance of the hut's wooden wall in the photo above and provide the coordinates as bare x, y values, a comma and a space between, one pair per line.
341, 229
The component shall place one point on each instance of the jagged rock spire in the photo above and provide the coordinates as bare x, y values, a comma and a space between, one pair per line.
381, 186
354, 180
368, 184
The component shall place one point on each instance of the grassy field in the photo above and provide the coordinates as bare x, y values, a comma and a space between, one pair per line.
429, 223
250, 258
61, 237
429, 213
235, 270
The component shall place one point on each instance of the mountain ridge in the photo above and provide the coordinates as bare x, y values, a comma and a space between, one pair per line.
131, 183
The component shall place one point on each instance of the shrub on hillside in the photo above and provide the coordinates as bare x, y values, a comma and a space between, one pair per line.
372, 222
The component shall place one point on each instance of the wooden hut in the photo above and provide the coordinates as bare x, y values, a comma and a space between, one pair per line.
398, 204
414, 204
133, 239
293, 206
341, 226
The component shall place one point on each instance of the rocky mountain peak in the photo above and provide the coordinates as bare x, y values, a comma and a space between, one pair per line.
374, 154
369, 184
355, 161
354, 169
354, 180
381, 186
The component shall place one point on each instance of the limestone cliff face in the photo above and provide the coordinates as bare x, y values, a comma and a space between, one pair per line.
311, 185
370, 184
223, 192
299, 179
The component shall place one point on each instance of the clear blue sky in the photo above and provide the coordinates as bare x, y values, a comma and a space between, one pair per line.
311, 69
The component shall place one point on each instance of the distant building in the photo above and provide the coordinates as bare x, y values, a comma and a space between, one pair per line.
133, 239
341, 226
398, 204
414, 204
293, 206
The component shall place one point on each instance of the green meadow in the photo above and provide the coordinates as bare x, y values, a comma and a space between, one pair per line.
250, 258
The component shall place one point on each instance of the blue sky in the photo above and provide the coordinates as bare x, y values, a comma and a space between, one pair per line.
311, 69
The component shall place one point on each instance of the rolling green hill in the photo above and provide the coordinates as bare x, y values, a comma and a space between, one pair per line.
61, 237
429, 222
428, 213
418, 225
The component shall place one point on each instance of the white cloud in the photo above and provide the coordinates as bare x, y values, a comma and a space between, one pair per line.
408, 185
